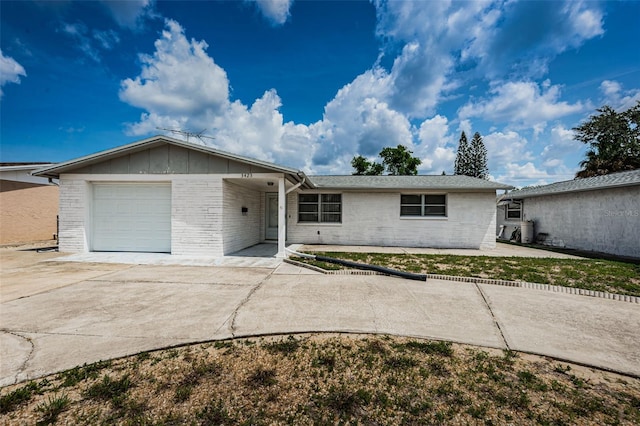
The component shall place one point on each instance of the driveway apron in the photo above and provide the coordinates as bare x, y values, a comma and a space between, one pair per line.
141, 308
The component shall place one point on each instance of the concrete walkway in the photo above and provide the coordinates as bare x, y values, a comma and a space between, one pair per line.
89, 314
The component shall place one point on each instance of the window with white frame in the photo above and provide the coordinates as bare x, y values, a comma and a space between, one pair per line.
429, 205
320, 208
513, 210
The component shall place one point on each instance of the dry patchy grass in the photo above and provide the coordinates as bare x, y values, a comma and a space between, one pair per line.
326, 379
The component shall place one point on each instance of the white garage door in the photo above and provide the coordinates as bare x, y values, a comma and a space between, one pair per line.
132, 217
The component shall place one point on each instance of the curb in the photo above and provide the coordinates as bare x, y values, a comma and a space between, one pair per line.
504, 283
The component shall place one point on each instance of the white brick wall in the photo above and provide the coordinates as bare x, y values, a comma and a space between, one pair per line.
196, 223
374, 219
74, 214
207, 219
606, 221
240, 231
196, 210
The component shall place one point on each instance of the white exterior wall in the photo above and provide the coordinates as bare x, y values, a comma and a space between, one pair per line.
606, 221
374, 219
74, 213
196, 216
510, 225
196, 211
240, 231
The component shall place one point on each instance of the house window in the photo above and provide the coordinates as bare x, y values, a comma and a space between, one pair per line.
423, 205
513, 210
320, 208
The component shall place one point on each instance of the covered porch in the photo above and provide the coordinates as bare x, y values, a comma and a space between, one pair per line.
255, 211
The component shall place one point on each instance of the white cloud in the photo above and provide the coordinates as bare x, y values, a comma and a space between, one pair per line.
130, 13
80, 33
521, 38
275, 11
180, 79
90, 42
10, 71
504, 148
526, 174
524, 103
181, 87
436, 149
618, 98
107, 39
435, 47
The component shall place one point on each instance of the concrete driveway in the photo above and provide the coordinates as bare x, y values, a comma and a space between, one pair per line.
56, 315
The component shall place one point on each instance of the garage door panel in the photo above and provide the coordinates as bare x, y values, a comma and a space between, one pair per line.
132, 217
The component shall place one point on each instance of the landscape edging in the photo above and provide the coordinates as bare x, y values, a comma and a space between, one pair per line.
506, 283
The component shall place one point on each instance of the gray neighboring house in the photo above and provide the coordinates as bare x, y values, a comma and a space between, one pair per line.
165, 195
599, 214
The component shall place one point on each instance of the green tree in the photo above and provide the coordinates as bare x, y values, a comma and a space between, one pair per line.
396, 161
400, 161
614, 141
478, 158
364, 167
471, 158
461, 165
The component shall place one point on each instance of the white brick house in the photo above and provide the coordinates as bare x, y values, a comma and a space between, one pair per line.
166, 195
599, 214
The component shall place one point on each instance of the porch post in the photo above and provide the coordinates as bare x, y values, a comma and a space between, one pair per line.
282, 226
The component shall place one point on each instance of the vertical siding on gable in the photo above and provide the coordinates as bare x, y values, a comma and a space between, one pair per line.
196, 217
139, 162
198, 162
159, 159
178, 159
374, 219
240, 231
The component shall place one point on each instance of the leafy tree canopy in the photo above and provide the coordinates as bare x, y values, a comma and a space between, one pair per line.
396, 161
363, 166
614, 141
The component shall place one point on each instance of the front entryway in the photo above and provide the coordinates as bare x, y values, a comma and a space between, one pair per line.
132, 217
271, 216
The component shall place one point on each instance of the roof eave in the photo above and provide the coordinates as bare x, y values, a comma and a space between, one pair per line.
517, 196
55, 170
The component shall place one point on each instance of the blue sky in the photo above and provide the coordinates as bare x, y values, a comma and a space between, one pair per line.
311, 84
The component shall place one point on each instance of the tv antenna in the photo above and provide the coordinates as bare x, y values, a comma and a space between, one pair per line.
187, 134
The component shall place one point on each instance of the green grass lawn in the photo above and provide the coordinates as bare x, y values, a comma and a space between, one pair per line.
588, 274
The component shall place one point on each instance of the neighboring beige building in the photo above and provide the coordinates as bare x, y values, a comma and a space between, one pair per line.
599, 214
28, 205
165, 195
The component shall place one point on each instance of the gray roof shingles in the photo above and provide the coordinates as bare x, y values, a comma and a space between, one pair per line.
614, 180
437, 182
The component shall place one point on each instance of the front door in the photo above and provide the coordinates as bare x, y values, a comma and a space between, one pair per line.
271, 216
